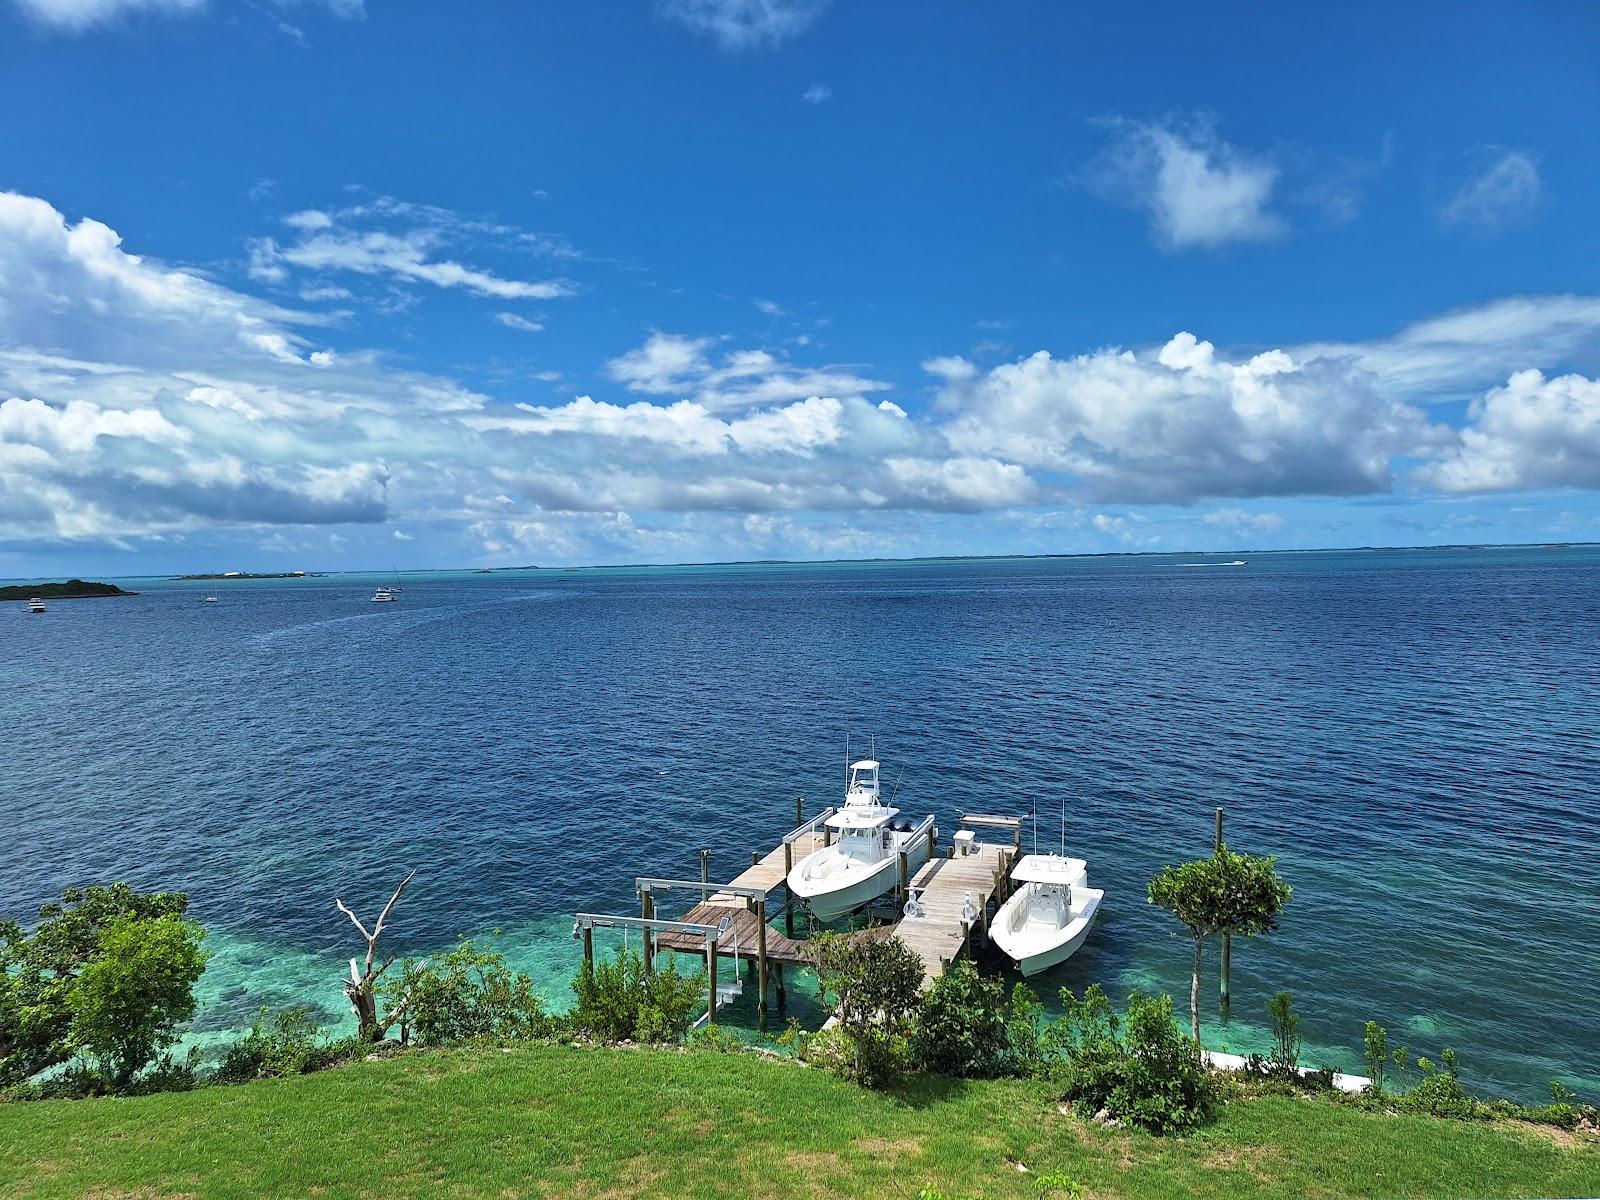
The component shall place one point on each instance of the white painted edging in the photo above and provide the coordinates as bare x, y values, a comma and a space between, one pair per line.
1235, 1062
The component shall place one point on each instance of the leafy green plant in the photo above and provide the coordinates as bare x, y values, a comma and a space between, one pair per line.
1440, 1091
619, 1002
1285, 1058
44, 1023
464, 994
130, 998
1377, 1047
289, 1042
873, 984
1238, 894
960, 1025
1144, 1071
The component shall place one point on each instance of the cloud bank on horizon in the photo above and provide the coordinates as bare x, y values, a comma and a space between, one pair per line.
143, 399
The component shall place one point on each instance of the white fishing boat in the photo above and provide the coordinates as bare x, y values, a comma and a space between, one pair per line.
1048, 917
863, 861
384, 596
36, 605
209, 600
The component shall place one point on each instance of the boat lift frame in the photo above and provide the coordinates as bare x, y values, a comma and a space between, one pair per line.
585, 924
647, 886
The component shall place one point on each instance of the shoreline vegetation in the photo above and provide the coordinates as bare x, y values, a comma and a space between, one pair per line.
954, 1090
249, 575
71, 589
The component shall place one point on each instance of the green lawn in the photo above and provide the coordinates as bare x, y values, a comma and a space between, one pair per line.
555, 1121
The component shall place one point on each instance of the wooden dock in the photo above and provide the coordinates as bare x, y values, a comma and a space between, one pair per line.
952, 896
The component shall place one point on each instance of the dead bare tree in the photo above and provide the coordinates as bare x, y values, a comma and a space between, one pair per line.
362, 988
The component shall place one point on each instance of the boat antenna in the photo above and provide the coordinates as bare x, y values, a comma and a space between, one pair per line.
847, 760
897, 780
1034, 806
1063, 829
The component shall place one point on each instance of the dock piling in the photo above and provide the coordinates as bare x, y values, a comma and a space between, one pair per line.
761, 962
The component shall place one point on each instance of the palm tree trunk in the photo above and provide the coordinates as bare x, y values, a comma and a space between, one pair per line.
1194, 991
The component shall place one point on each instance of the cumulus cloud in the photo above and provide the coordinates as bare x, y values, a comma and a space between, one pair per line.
1196, 189
1182, 424
1533, 432
817, 93
515, 321
673, 365
744, 24
1503, 188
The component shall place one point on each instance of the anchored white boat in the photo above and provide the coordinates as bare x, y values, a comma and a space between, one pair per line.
863, 863
208, 600
1048, 917
36, 605
384, 596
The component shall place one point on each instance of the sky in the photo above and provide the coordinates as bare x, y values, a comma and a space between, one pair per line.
324, 284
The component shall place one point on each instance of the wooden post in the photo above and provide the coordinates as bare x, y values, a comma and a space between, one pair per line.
755, 858
647, 909
588, 946
799, 811
711, 978
705, 869
788, 908
783, 996
761, 960
905, 875
1227, 938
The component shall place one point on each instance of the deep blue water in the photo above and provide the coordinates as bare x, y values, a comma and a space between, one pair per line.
1412, 733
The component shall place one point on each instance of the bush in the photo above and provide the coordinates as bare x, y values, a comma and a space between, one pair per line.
289, 1042
1285, 1058
107, 975
874, 985
1377, 1048
618, 1002
467, 994
965, 1026
1148, 1074
1440, 1092
960, 1025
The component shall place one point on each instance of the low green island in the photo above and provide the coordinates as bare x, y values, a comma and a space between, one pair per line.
72, 589
245, 575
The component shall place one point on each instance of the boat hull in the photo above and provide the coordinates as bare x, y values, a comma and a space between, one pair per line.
829, 903
1032, 955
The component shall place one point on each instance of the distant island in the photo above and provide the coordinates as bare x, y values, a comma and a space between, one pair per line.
72, 589
247, 575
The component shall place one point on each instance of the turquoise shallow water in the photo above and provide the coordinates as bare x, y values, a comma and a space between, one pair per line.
1413, 733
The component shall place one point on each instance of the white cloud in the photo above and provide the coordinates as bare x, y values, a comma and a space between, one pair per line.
1181, 424
1238, 518
401, 535
1197, 189
1503, 188
1533, 432
78, 15
744, 24
817, 93
514, 321
1461, 353
672, 365
404, 242
769, 307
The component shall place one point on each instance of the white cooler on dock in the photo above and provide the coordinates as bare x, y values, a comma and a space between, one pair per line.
965, 842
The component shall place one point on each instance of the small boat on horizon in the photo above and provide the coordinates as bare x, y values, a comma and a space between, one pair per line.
863, 863
384, 596
36, 605
208, 600
1238, 562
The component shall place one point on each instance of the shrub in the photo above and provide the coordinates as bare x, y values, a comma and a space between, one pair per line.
289, 1042
107, 972
873, 984
1440, 1092
129, 1000
1377, 1043
1147, 1073
1285, 1058
960, 1025
618, 1002
466, 994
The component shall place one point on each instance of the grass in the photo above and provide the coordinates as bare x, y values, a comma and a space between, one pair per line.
552, 1121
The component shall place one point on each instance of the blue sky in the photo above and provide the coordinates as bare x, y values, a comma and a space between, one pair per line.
312, 284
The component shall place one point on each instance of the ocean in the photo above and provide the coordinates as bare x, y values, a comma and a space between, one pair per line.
1411, 733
